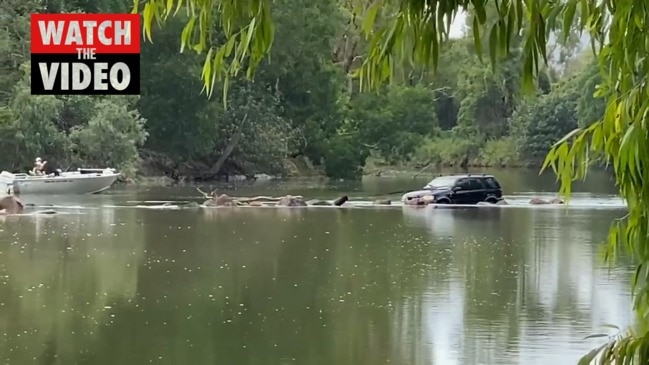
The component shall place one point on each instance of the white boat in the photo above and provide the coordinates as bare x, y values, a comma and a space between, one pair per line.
82, 181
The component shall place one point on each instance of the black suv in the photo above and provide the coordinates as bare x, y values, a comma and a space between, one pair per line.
465, 189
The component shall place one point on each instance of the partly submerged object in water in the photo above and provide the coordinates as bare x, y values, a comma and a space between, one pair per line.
11, 205
418, 197
224, 200
540, 201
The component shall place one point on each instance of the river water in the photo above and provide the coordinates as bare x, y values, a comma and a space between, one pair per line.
111, 280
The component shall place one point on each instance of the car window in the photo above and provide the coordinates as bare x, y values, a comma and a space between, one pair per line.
464, 184
475, 184
442, 182
491, 183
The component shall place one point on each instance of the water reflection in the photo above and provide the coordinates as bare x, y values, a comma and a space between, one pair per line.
307, 286
61, 277
540, 288
449, 222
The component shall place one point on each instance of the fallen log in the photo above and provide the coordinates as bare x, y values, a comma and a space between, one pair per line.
213, 199
243, 199
340, 201
262, 198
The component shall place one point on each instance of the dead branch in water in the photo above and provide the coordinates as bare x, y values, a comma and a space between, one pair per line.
244, 199
206, 195
422, 169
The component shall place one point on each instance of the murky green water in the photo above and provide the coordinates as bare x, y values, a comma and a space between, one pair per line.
365, 286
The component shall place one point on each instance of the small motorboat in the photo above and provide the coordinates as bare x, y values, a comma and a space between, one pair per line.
82, 181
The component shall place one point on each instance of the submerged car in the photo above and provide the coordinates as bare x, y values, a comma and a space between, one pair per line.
460, 189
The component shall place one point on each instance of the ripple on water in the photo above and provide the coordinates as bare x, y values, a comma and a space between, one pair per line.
519, 200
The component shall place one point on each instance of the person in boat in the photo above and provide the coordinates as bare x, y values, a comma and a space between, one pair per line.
39, 165
50, 168
45, 168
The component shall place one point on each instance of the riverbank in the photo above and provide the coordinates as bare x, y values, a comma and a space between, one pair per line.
379, 169
371, 173
152, 173
302, 168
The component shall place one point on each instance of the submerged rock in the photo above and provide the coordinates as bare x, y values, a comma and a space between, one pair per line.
291, 201
222, 200
539, 201
191, 205
382, 202
499, 202
47, 211
317, 202
422, 200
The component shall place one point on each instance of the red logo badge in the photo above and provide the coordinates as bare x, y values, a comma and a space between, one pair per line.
85, 54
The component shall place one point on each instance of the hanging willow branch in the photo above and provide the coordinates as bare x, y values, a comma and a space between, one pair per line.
245, 24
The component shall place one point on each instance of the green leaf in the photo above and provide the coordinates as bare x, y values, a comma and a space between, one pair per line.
607, 325
178, 6
590, 356
207, 66
476, 37
186, 35
520, 14
170, 4
597, 335
370, 16
481, 13
247, 39
147, 15
493, 45
568, 18
568, 136
636, 276
229, 46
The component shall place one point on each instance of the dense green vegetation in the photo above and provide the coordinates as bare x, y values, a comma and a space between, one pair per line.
303, 104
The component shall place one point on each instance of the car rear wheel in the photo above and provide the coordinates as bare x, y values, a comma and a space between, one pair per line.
443, 201
491, 200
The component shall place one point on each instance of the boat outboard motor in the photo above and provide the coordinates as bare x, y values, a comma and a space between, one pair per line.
7, 182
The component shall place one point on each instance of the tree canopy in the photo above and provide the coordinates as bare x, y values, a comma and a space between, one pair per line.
302, 113
415, 32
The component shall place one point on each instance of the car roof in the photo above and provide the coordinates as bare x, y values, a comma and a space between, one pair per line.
460, 176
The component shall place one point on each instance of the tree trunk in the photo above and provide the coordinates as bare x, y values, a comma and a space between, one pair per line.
234, 141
